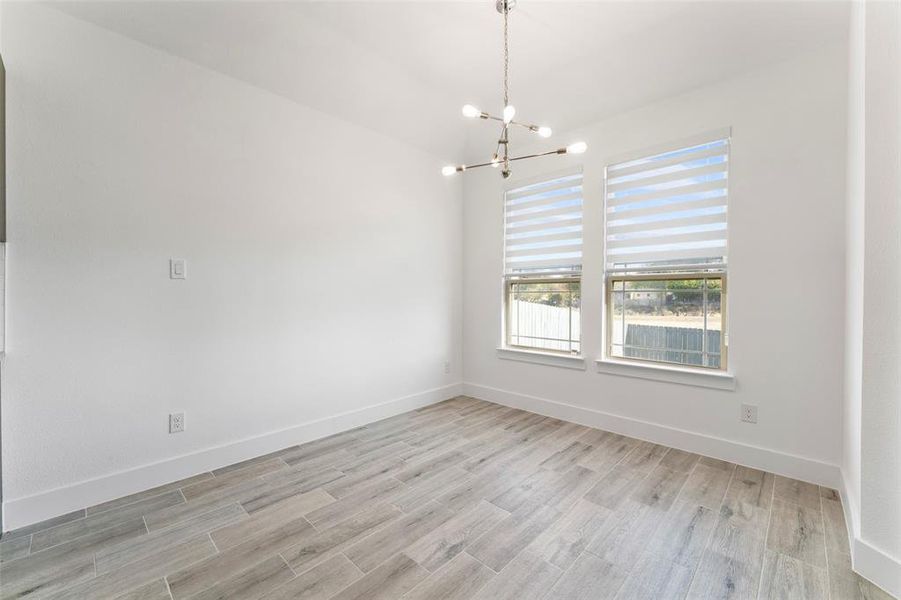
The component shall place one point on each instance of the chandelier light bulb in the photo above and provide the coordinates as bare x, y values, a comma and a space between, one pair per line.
545, 132
448, 170
577, 148
471, 111
509, 113
495, 161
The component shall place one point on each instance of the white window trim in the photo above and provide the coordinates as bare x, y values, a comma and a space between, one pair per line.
550, 359
518, 182
708, 378
692, 140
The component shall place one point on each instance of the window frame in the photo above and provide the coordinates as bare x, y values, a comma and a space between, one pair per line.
724, 333
559, 275
512, 279
677, 269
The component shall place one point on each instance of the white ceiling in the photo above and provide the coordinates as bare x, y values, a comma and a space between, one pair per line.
405, 68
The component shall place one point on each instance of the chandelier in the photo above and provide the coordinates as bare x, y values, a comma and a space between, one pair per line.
502, 156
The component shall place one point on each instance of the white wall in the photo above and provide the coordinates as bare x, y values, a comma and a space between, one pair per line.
872, 453
323, 268
854, 255
881, 414
786, 275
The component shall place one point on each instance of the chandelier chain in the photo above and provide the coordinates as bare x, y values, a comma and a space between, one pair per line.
506, 57
504, 138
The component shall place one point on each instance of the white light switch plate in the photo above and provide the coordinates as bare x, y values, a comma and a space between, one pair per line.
177, 268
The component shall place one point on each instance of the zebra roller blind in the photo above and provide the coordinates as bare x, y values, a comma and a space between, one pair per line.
543, 226
667, 211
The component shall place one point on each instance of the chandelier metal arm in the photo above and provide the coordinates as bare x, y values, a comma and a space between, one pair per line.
529, 126
462, 168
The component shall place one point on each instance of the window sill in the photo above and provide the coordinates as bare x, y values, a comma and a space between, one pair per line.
685, 376
550, 359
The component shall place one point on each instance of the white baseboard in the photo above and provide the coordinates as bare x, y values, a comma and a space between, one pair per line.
789, 465
872, 563
19, 512
868, 561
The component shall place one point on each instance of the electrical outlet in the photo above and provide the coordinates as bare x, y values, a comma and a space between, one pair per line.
748, 413
176, 422
447, 366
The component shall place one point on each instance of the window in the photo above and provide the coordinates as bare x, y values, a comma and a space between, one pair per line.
666, 232
543, 265
676, 319
544, 314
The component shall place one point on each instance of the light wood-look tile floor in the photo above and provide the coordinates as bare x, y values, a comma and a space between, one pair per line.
463, 499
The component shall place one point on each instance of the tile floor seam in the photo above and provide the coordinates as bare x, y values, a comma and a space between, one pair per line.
766, 539
717, 516
209, 534
828, 569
